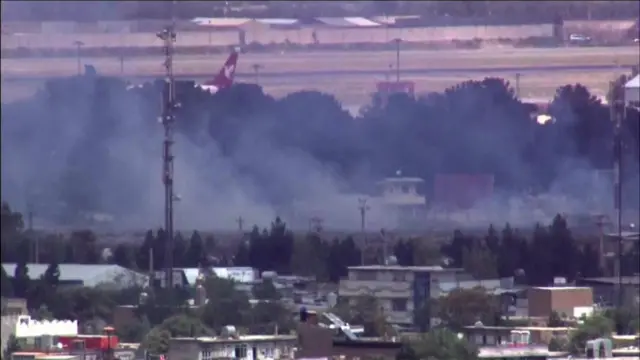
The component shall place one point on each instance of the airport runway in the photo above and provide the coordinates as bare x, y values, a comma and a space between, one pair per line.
296, 76
351, 75
338, 63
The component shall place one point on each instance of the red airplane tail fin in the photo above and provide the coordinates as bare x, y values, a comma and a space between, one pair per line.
225, 77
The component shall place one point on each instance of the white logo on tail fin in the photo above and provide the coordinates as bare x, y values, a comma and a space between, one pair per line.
228, 71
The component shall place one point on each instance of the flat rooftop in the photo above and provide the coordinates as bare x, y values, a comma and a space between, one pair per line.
241, 338
561, 288
404, 268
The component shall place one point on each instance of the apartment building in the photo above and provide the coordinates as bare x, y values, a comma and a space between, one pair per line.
402, 289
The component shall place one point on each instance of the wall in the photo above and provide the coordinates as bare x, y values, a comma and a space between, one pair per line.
63, 35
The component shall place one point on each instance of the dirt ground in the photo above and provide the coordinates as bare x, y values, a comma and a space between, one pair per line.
330, 61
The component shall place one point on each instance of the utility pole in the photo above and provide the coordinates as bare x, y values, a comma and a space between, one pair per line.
168, 36
397, 41
78, 45
240, 222
363, 207
32, 236
601, 221
383, 233
256, 70
517, 89
616, 113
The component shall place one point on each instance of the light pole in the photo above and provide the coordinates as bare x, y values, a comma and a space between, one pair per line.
617, 114
256, 71
363, 207
78, 45
397, 41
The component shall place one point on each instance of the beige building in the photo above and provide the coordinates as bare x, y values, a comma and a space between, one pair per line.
254, 347
402, 289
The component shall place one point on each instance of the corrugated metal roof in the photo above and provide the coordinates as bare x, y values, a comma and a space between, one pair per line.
222, 22
633, 83
89, 275
278, 21
332, 21
239, 274
361, 22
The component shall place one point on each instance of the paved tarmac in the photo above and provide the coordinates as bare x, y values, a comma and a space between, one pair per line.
295, 76
334, 64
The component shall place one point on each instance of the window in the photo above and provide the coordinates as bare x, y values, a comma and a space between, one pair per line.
399, 304
268, 352
206, 355
240, 352
366, 275
399, 276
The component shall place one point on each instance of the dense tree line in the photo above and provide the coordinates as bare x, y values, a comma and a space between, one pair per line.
136, 10
534, 258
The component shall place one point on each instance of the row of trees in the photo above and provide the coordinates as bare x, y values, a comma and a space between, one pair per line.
535, 257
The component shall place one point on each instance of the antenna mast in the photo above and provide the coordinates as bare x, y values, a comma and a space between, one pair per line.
169, 104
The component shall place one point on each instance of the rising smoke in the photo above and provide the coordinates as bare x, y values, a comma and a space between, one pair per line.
61, 151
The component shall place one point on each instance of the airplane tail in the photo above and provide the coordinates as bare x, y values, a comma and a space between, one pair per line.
225, 77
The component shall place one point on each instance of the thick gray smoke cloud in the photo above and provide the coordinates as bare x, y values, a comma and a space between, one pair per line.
128, 189
214, 191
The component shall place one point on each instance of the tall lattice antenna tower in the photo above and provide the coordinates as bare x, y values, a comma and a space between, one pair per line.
169, 104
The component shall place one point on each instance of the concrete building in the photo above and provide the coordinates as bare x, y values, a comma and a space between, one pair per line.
605, 289
402, 289
568, 300
632, 91
255, 347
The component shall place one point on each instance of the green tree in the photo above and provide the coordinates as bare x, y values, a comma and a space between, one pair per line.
6, 289
21, 281
480, 262
270, 317
592, 327
51, 276
124, 255
180, 248
265, 290
136, 331
180, 325
225, 305
12, 224
310, 257
407, 352
465, 307
195, 252
366, 310
443, 344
